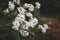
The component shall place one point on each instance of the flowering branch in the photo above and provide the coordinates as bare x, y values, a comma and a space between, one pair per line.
20, 23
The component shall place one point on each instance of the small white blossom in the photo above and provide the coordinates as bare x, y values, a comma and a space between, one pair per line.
17, 1
33, 22
39, 26
38, 5
31, 7
28, 24
29, 15
17, 18
26, 5
21, 22
24, 33
6, 11
20, 18
45, 26
11, 5
21, 10
15, 25
26, 27
42, 28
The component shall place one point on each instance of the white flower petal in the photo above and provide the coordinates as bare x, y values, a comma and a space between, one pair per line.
29, 15
6, 11
17, 1
45, 26
31, 7
38, 5
25, 27
20, 18
15, 27
43, 30
11, 5
40, 26
21, 10
26, 5
16, 23
24, 33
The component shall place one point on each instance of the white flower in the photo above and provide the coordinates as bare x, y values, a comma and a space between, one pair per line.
20, 18
45, 26
42, 28
35, 21
17, 1
31, 7
15, 25
38, 5
24, 33
6, 11
21, 10
25, 27
26, 5
11, 5
39, 26
17, 18
29, 15
28, 24
31, 24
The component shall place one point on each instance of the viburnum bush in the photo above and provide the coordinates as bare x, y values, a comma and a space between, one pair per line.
25, 18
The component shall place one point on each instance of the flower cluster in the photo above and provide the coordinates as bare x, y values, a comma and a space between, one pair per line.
20, 23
